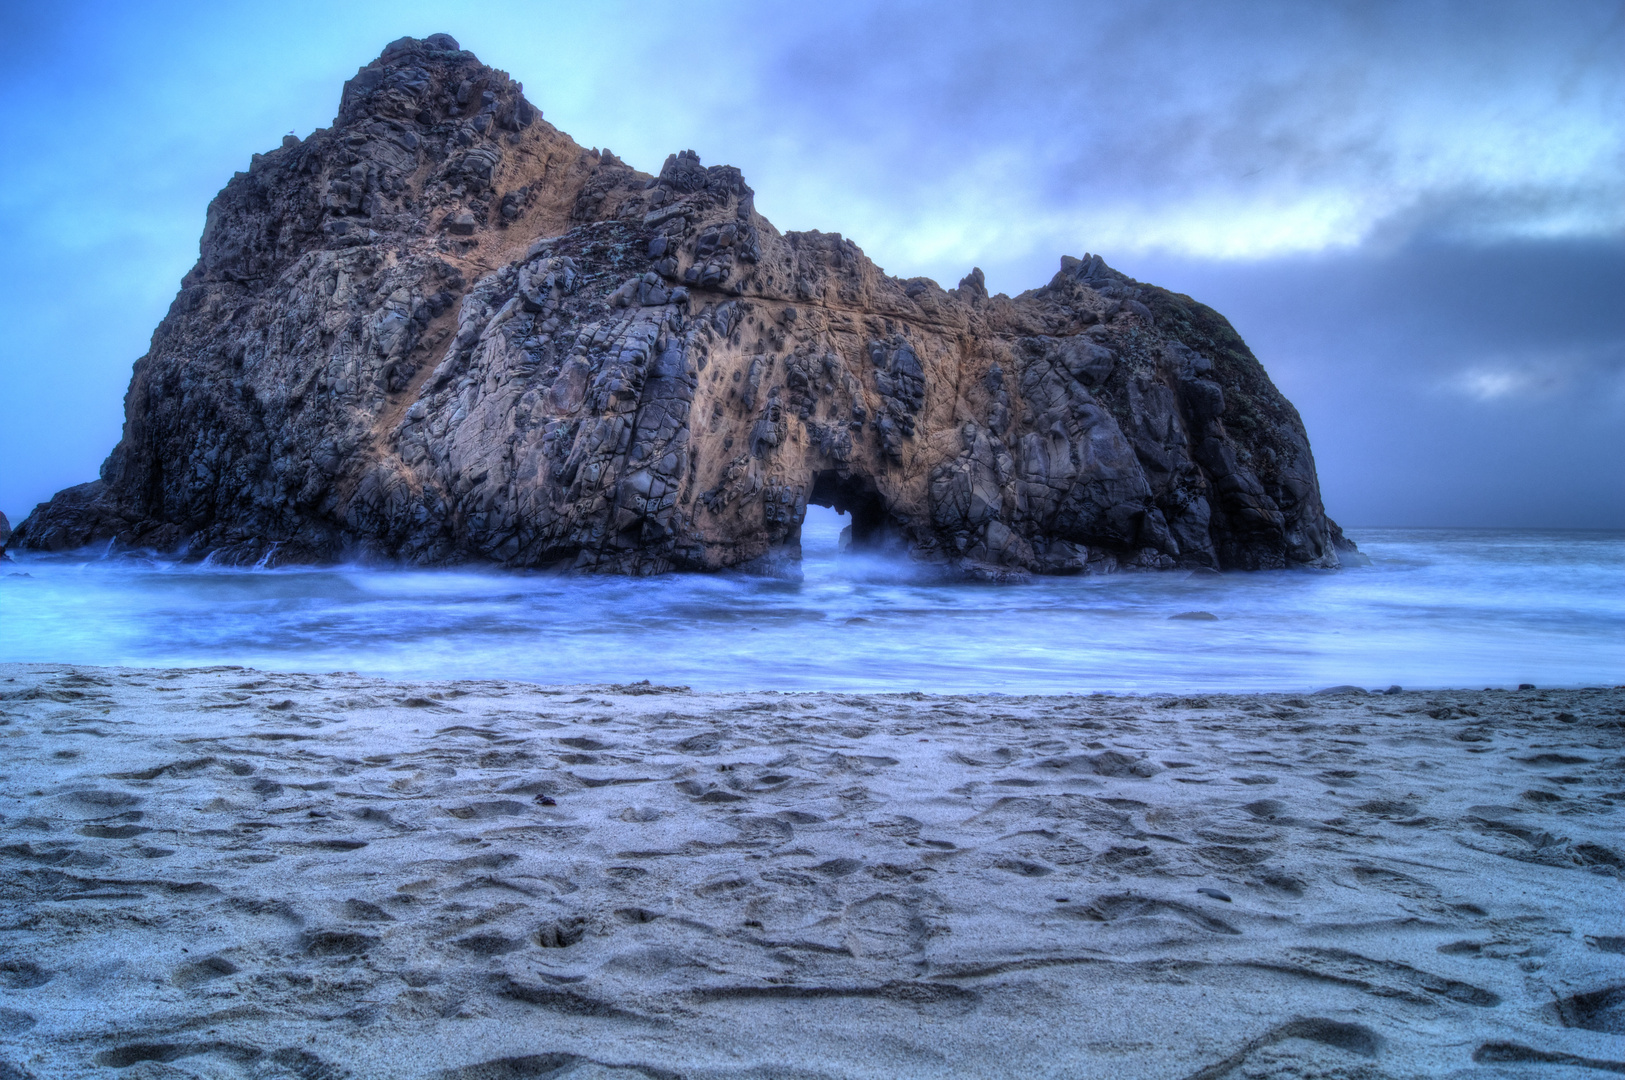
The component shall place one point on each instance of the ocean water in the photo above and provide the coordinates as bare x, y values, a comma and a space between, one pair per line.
1436, 608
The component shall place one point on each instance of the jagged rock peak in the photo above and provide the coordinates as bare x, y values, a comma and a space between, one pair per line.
434, 42
442, 330
683, 172
402, 84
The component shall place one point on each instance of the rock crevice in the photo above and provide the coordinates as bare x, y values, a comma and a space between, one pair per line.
443, 331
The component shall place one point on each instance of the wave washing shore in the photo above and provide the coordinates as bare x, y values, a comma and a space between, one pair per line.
236, 874
1437, 608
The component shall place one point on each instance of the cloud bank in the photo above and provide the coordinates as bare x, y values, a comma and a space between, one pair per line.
1226, 131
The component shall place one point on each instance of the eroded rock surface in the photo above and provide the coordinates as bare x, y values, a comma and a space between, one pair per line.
441, 330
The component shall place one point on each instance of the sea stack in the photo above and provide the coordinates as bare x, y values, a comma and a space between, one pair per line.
441, 331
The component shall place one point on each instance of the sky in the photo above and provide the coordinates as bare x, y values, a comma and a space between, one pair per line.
1413, 212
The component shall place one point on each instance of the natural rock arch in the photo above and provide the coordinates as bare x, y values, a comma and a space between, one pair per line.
441, 330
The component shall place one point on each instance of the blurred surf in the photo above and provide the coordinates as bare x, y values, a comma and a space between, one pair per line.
1436, 608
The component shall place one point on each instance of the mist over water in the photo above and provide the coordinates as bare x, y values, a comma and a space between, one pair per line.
1437, 608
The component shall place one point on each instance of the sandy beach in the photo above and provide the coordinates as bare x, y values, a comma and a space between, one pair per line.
224, 873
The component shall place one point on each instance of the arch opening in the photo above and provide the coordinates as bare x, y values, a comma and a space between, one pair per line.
857, 495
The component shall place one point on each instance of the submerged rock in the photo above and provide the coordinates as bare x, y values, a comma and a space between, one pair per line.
441, 330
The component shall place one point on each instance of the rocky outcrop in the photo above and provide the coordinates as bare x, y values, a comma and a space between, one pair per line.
441, 330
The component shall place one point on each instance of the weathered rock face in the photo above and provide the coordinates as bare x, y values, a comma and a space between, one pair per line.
441, 330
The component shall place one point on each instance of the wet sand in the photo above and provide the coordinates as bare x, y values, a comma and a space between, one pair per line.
225, 873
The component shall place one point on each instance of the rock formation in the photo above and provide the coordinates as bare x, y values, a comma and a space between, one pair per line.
442, 331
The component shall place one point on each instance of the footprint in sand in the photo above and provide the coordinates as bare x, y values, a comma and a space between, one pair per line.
1124, 907
1595, 1010
563, 933
14, 1022
337, 943
201, 971
20, 974
365, 911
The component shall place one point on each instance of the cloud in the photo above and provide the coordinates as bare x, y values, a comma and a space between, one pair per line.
1494, 382
1487, 384
1243, 130
1596, 373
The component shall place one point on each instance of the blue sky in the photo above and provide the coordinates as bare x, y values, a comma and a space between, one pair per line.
1415, 213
